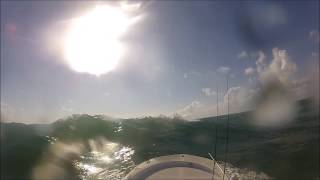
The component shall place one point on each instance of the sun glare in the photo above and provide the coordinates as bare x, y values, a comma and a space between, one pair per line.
93, 42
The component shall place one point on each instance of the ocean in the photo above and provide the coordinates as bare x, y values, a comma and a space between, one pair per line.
96, 147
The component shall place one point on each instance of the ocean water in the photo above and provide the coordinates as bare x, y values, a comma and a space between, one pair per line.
94, 147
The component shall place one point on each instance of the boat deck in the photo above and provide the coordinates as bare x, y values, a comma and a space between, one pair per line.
177, 167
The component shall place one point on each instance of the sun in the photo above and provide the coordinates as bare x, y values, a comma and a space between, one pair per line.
93, 41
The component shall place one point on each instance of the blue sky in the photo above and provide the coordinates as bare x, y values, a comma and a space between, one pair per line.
173, 59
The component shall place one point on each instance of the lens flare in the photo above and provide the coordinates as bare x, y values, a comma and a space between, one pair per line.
93, 41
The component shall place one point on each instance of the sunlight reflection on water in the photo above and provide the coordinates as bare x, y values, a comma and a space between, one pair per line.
111, 161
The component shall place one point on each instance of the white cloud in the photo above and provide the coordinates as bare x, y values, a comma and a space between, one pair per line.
240, 99
191, 110
249, 71
243, 55
208, 92
280, 68
191, 74
275, 103
224, 70
261, 62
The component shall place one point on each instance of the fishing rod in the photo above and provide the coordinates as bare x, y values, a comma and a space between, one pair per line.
227, 138
216, 136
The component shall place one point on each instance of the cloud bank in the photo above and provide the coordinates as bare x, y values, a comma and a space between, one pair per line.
272, 98
208, 92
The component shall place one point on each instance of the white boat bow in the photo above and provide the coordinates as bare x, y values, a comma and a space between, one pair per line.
177, 167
